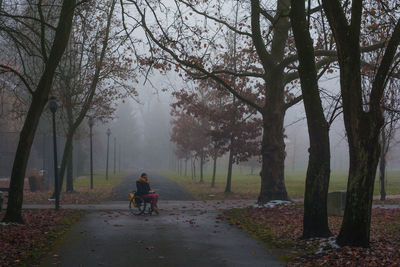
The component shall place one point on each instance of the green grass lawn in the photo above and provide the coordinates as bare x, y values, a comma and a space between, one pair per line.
99, 180
82, 194
248, 186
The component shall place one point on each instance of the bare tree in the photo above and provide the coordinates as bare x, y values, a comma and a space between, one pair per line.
266, 57
51, 56
315, 222
94, 73
363, 120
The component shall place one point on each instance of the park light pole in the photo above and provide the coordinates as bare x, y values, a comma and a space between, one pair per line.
108, 148
52, 105
91, 123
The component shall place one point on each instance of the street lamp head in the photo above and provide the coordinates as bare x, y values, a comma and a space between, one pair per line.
52, 105
91, 121
108, 132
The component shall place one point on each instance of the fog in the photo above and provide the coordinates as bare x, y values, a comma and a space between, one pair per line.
143, 130
140, 137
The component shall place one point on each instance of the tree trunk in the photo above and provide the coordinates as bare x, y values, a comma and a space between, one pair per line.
214, 170
315, 220
363, 123
273, 158
70, 177
355, 230
229, 176
72, 126
66, 161
201, 167
186, 167
382, 165
194, 169
39, 100
67, 154
363, 130
191, 167
273, 112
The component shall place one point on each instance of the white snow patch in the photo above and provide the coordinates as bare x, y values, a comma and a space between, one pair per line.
273, 204
7, 224
326, 244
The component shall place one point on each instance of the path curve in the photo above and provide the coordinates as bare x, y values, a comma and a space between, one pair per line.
186, 233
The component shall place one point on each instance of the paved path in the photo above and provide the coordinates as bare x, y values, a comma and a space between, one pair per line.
168, 190
186, 233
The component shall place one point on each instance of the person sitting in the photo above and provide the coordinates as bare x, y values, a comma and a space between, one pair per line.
143, 189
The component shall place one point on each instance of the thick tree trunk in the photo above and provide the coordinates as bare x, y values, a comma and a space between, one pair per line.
273, 158
363, 123
315, 220
363, 130
214, 170
26, 137
39, 100
272, 146
355, 230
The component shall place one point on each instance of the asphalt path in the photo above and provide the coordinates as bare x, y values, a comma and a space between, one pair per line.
185, 233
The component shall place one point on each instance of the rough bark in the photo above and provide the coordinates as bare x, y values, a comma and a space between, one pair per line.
362, 127
273, 158
273, 112
315, 220
39, 100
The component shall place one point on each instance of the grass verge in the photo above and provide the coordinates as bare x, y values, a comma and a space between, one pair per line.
82, 193
245, 186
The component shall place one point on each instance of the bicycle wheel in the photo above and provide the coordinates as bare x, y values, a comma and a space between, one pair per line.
140, 206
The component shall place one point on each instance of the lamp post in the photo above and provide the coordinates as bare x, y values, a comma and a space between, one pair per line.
52, 105
91, 123
108, 146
